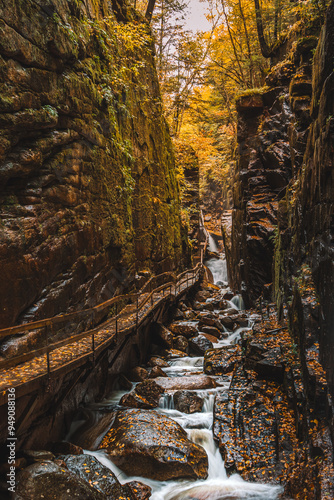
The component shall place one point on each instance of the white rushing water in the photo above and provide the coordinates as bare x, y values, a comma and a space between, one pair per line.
199, 429
217, 265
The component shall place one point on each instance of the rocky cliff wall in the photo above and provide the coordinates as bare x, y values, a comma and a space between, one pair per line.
282, 237
88, 190
273, 126
304, 271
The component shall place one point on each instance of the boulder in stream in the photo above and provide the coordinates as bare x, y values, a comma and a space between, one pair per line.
173, 354
181, 343
140, 491
221, 361
162, 336
211, 330
50, 481
212, 339
227, 322
186, 328
198, 345
157, 361
64, 448
157, 372
148, 444
89, 469
95, 423
209, 319
187, 402
187, 382
145, 395
202, 295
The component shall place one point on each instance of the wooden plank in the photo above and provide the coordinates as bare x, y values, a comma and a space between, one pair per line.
68, 341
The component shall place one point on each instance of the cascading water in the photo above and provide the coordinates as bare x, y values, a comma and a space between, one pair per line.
217, 265
199, 429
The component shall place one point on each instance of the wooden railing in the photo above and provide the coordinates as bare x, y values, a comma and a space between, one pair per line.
135, 305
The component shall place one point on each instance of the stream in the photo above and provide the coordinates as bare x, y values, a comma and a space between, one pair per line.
218, 486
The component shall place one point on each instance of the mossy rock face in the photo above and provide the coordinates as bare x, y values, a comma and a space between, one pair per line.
250, 103
85, 154
307, 44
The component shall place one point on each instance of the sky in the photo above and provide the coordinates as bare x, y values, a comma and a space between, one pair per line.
196, 19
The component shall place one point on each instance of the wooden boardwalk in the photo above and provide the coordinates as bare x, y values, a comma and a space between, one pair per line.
99, 333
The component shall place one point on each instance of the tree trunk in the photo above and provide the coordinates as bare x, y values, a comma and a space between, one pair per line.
251, 67
149, 10
265, 50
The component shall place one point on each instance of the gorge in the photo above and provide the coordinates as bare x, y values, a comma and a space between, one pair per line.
192, 379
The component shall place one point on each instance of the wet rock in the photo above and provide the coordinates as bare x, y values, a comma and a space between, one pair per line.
179, 315
223, 304
157, 372
198, 306
211, 338
267, 362
241, 320
89, 435
227, 322
148, 444
173, 354
271, 367
228, 295
162, 336
145, 395
221, 361
157, 361
202, 295
198, 345
66, 448
138, 374
181, 343
187, 402
134, 400
186, 328
208, 306
254, 427
191, 382
140, 491
189, 315
97, 475
230, 312
49, 481
209, 319
38, 455
211, 330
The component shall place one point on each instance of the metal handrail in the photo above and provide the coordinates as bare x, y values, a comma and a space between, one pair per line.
49, 322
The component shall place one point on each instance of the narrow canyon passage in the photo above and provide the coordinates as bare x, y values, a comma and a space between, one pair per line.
197, 421
137, 358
